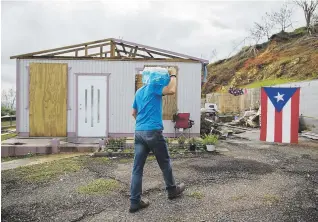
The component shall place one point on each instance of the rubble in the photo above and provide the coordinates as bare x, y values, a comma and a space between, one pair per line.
249, 119
310, 135
224, 128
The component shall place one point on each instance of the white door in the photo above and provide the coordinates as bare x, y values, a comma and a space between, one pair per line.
92, 114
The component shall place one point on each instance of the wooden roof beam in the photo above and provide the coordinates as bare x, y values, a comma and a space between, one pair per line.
124, 49
135, 51
98, 53
175, 54
153, 52
131, 51
112, 49
108, 58
137, 54
77, 49
150, 54
60, 48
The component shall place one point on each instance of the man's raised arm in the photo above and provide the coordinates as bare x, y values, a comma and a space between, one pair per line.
171, 88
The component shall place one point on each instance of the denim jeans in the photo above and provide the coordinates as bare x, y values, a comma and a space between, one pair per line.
146, 141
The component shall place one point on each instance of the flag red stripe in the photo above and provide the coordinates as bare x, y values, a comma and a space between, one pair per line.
263, 115
294, 117
278, 126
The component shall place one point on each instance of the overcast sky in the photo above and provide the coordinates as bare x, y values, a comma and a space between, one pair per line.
193, 27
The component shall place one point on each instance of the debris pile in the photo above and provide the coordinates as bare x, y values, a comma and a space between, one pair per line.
249, 119
224, 128
310, 135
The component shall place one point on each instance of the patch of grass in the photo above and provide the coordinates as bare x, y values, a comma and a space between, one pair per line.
301, 30
150, 158
6, 159
271, 199
8, 123
8, 136
267, 82
126, 160
128, 150
44, 172
100, 186
196, 194
103, 159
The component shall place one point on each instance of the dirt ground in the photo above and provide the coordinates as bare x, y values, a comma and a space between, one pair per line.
252, 181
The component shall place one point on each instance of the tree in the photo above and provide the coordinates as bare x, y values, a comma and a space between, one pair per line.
309, 7
263, 29
8, 98
314, 23
213, 55
267, 26
282, 18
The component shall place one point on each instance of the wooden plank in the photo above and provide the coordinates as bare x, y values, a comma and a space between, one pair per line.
144, 56
77, 49
170, 105
138, 82
110, 59
150, 54
101, 51
161, 50
98, 53
135, 52
112, 49
86, 50
48, 99
153, 52
60, 48
131, 51
118, 51
123, 46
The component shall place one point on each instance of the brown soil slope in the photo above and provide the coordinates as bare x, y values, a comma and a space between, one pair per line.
292, 56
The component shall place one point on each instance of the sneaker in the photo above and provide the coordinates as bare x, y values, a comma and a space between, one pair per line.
176, 192
135, 207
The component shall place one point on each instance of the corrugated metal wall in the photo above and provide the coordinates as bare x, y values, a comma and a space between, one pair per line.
122, 86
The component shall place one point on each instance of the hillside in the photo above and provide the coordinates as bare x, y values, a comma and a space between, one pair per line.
285, 57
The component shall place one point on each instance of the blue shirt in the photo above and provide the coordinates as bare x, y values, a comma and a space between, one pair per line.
148, 103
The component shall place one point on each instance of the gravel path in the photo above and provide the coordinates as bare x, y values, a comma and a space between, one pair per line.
253, 181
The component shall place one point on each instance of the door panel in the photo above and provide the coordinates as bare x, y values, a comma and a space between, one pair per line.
48, 99
92, 106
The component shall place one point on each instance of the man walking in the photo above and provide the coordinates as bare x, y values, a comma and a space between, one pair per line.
147, 110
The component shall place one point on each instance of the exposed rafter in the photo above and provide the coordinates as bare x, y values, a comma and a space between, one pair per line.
109, 49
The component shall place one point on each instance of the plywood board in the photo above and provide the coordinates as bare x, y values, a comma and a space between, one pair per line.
48, 99
170, 104
138, 82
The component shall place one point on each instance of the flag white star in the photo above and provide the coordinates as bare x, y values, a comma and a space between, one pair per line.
279, 97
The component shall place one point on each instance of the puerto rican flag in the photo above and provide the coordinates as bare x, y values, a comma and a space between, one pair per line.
279, 114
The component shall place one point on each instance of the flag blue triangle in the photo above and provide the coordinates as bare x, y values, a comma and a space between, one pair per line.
279, 96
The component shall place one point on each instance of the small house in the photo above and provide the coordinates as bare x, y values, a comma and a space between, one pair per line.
87, 90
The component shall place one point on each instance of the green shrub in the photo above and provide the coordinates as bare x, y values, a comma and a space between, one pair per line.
193, 141
181, 140
210, 139
116, 143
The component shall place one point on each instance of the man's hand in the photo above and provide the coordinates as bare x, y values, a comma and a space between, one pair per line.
172, 71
